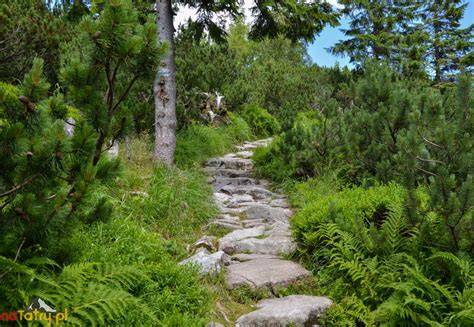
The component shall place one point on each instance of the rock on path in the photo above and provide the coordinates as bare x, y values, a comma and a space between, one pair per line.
259, 232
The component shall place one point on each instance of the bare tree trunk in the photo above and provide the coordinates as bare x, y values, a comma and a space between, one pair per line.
165, 88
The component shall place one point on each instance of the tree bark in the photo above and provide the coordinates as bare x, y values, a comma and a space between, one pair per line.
165, 88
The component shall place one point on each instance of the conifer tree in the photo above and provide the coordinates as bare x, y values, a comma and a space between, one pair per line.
449, 45
102, 66
384, 31
46, 175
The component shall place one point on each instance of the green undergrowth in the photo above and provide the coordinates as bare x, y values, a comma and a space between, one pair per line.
199, 142
368, 257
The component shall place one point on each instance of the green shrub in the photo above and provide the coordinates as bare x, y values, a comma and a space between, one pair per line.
347, 208
260, 121
309, 148
372, 261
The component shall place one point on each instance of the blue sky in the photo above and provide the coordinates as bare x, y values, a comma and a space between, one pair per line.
330, 36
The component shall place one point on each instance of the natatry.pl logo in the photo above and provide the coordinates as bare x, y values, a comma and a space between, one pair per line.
37, 311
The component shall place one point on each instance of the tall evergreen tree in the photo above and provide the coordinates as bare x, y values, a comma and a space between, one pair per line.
449, 45
383, 31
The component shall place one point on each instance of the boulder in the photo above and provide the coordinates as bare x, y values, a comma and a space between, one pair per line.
297, 310
207, 263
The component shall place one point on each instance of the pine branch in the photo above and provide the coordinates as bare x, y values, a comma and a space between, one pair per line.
19, 186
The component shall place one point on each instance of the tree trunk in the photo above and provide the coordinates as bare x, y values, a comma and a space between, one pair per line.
165, 88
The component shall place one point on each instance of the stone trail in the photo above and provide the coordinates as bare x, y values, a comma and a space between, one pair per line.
259, 235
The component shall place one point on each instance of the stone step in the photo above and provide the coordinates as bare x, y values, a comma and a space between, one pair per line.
214, 171
230, 163
223, 181
294, 310
265, 273
255, 191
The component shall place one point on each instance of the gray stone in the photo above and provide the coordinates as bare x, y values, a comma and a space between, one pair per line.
227, 172
227, 242
275, 245
265, 273
222, 197
230, 163
242, 198
264, 211
207, 263
255, 191
280, 203
245, 154
227, 225
298, 310
222, 181
242, 257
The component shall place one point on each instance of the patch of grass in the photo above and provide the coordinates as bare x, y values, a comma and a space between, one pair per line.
198, 143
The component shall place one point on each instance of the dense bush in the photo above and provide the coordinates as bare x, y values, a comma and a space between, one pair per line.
260, 121
306, 149
376, 265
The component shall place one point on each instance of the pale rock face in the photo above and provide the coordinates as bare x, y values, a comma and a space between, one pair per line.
298, 310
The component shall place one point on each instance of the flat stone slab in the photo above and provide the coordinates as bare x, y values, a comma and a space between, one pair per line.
227, 243
264, 211
243, 257
297, 310
261, 273
231, 163
274, 245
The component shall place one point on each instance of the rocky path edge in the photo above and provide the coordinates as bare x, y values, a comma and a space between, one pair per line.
251, 253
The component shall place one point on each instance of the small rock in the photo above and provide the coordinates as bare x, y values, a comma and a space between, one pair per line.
207, 263
222, 197
298, 310
205, 242
280, 203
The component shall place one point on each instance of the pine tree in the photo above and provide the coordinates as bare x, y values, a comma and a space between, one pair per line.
46, 176
102, 66
383, 31
29, 29
449, 45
